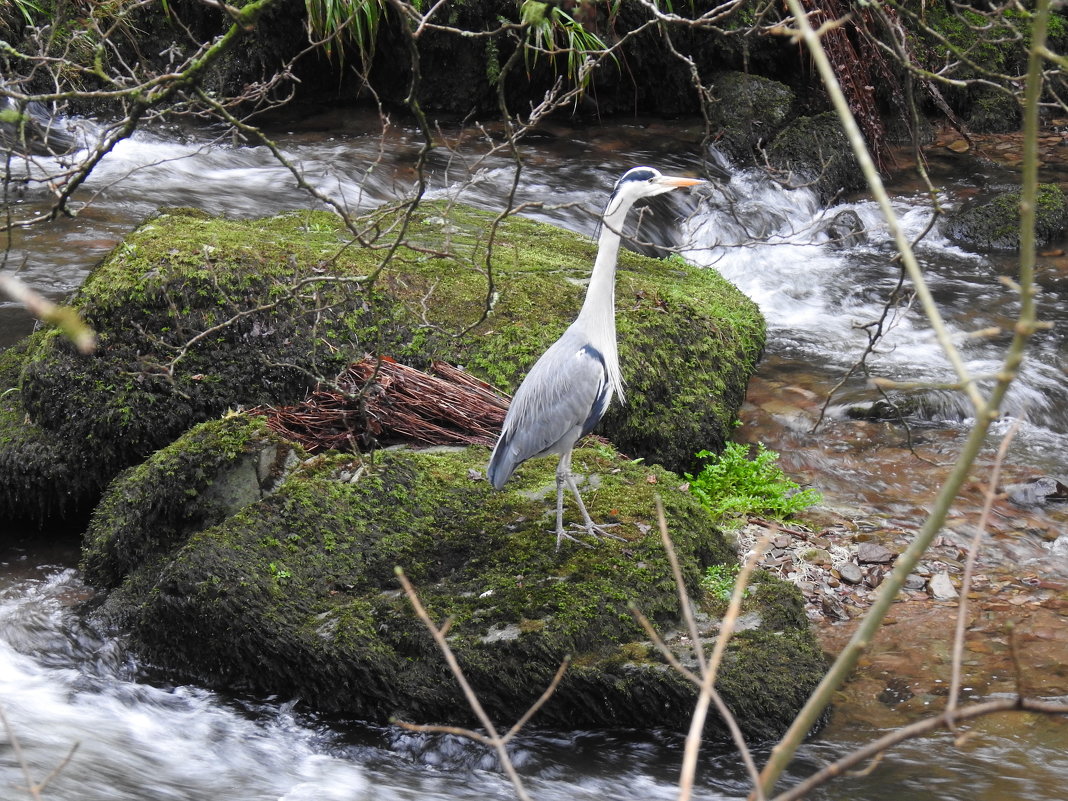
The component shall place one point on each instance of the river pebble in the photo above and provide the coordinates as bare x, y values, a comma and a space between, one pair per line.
941, 586
850, 573
873, 553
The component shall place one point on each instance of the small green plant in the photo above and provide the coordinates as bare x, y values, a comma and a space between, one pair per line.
718, 581
553, 31
732, 485
279, 571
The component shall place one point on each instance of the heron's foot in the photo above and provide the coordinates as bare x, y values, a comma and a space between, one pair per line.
597, 531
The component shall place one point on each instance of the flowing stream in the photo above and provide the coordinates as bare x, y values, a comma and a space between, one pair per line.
64, 683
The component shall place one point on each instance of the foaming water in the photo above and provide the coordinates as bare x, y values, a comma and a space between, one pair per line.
68, 695
73, 698
820, 298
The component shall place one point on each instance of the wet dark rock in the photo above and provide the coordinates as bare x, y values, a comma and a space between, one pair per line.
897, 691
748, 111
993, 223
893, 407
845, 230
993, 111
874, 553
815, 150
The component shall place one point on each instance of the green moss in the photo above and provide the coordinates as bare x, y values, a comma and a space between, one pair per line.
994, 222
295, 593
274, 325
201, 479
765, 672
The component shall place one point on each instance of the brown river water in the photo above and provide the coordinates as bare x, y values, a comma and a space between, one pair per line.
63, 682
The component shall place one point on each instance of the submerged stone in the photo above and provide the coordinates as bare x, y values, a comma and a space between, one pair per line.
197, 315
294, 592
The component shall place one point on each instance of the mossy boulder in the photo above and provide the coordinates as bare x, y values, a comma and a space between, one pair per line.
994, 223
198, 314
815, 150
294, 592
31, 459
748, 110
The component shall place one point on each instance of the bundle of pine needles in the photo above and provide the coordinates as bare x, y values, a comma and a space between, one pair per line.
377, 402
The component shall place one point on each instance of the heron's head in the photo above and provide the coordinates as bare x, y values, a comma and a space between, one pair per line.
642, 182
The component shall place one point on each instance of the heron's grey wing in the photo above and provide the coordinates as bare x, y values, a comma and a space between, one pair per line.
562, 398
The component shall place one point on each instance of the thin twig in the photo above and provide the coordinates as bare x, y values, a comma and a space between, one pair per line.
969, 569
494, 739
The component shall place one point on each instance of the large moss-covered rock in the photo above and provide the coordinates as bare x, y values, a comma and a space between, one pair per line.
815, 150
994, 222
747, 112
197, 315
294, 592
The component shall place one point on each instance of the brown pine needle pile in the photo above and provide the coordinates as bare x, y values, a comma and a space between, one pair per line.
379, 402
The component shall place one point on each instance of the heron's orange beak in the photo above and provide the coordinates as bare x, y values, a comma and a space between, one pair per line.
677, 182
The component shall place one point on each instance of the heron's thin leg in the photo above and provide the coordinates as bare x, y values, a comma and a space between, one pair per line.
560, 478
593, 529
563, 475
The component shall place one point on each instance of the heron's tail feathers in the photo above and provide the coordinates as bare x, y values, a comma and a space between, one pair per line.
502, 463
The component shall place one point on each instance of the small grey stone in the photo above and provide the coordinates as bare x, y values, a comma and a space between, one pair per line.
874, 553
850, 573
914, 582
941, 587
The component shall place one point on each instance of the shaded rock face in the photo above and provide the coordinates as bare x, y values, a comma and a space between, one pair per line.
814, 150
294, 593
993, 223
197, 315
748, 112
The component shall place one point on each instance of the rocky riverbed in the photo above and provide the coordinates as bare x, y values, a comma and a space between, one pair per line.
875, 500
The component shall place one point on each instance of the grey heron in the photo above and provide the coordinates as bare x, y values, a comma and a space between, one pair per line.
568, 389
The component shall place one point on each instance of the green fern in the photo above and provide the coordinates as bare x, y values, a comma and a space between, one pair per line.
731, 485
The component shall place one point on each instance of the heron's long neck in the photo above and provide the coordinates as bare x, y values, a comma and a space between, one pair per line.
598, 313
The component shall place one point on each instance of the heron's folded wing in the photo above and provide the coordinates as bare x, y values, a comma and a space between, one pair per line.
562, 398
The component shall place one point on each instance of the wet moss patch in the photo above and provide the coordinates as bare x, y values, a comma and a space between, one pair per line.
197, 315
295, 593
